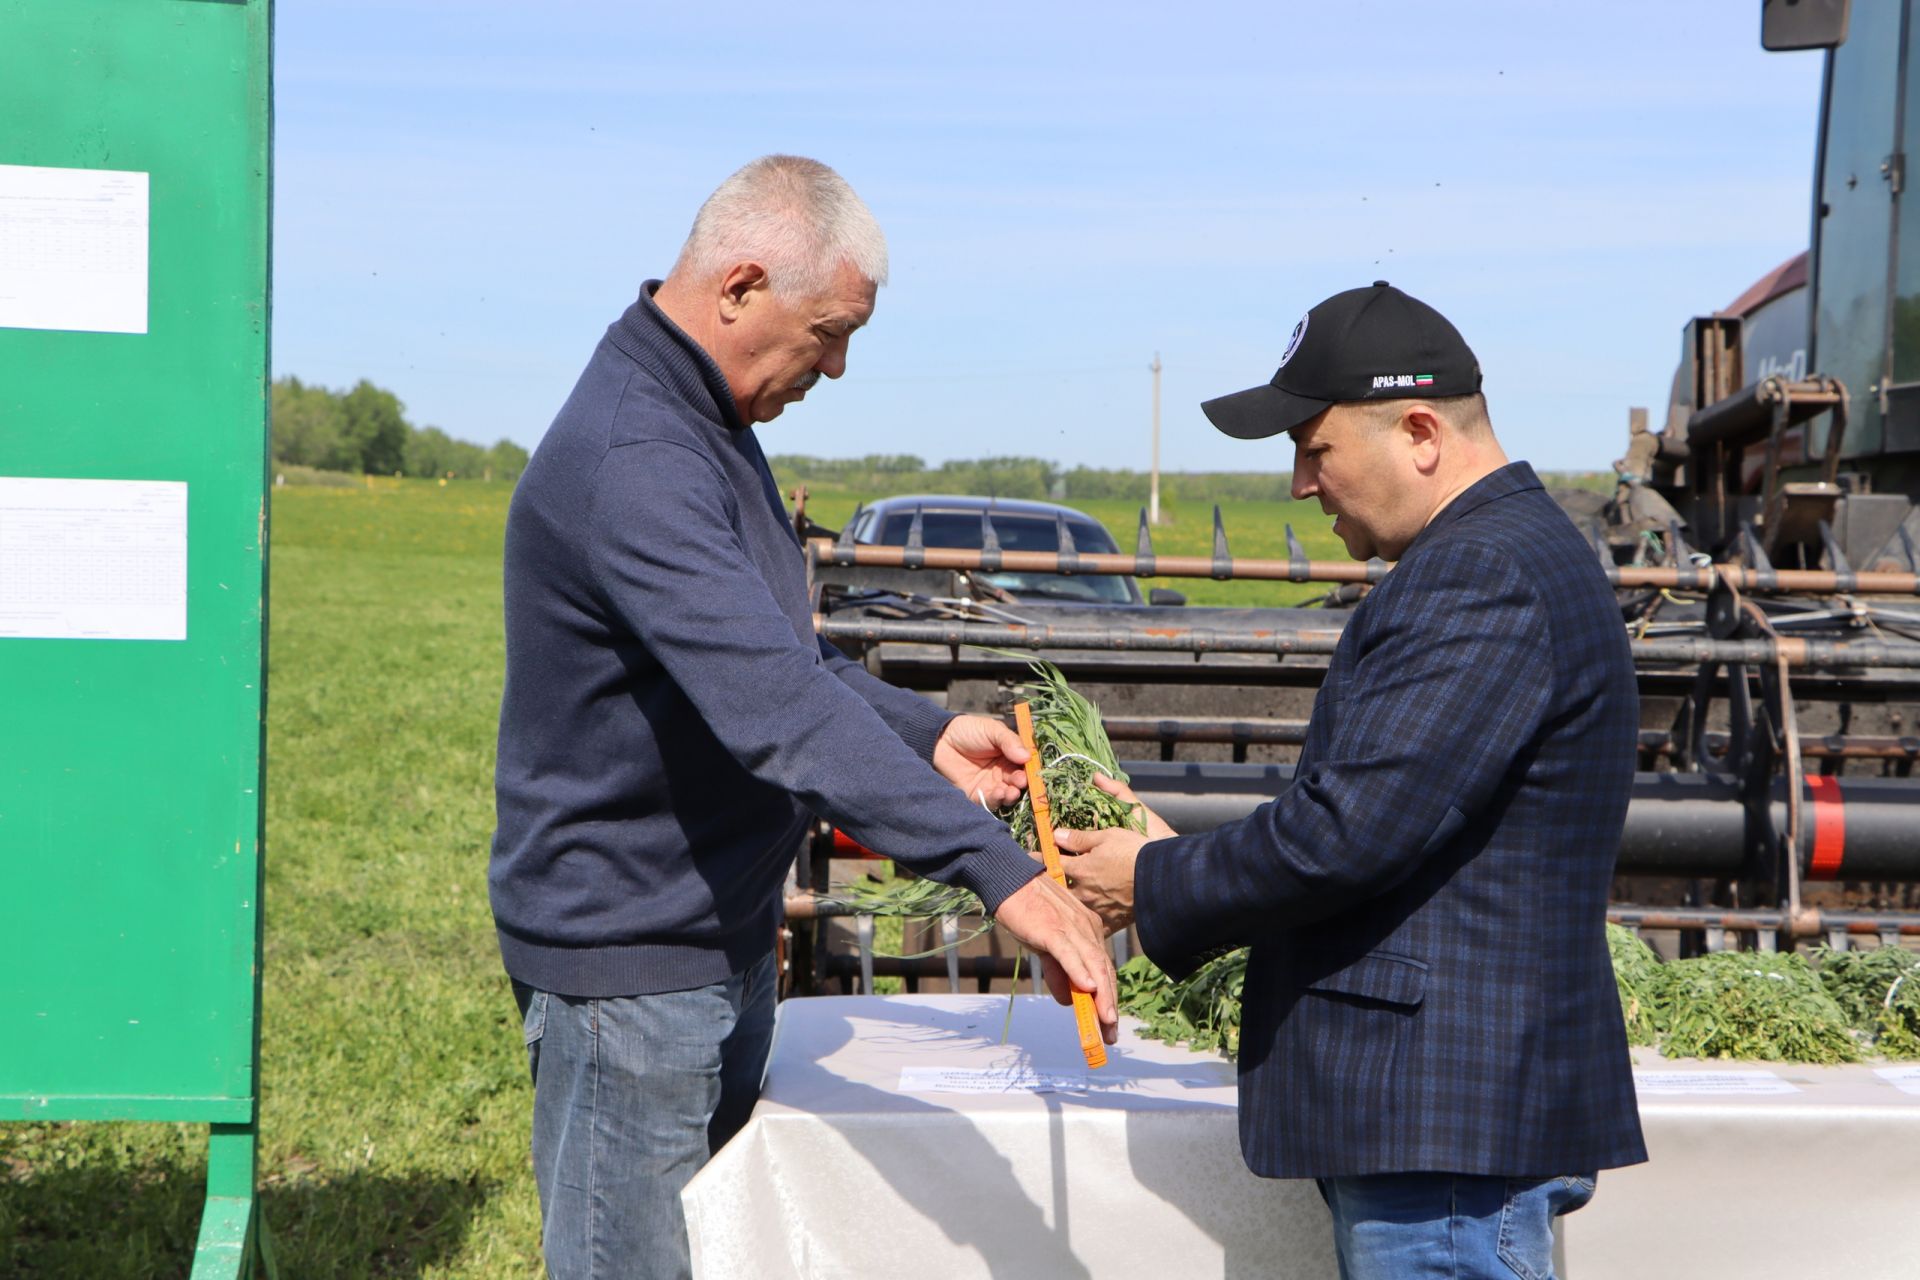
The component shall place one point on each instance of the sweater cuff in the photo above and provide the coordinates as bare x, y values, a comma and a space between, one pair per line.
920, 726
996, 876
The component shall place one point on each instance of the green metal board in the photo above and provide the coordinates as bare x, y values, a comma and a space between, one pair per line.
134, 239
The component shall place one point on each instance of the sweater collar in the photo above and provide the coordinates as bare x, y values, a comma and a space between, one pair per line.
649, 336
1515, 477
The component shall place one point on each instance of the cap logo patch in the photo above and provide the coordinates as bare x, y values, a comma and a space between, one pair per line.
1293, 343
1402, 380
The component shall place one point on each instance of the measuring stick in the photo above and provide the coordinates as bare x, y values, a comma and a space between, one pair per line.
1090, 1044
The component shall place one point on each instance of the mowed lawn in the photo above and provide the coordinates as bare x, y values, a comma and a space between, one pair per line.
394, 1088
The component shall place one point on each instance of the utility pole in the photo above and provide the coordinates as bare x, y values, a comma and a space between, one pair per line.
1153, 489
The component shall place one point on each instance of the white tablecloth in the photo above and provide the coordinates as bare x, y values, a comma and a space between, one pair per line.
1135, 1170
841, 1173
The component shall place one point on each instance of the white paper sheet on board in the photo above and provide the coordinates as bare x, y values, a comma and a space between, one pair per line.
93, 559
73, 249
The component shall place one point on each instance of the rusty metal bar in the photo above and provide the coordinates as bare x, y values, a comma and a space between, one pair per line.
1811, 922
1265, 732
1751, 410
1118, 638
1199, 729
1683, 578
825, 552
1797, 652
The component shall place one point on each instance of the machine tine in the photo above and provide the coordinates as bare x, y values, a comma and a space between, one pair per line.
915, 555
1222, 559
1751, 553
1836, 558
989, 547
1069, 553
1597, 539
846, 534
1143, 549
1296, 557
1678, 552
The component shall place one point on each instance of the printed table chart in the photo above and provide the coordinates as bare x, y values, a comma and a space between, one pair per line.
897, 1136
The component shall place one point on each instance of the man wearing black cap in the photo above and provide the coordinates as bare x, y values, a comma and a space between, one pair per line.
1430, 1023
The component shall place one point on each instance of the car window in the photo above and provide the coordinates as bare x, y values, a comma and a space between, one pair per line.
961, 529
1016, 532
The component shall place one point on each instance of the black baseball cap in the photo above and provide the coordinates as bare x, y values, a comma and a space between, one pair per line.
1374, 343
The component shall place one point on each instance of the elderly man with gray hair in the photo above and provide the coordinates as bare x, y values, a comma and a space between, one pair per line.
670, 720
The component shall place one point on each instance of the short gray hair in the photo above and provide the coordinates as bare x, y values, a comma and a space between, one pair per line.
1466, 414
794, 216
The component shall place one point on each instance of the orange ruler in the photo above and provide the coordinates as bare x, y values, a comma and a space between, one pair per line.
1090, 1043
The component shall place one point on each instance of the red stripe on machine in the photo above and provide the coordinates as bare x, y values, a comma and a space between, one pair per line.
1829, 827
846, 846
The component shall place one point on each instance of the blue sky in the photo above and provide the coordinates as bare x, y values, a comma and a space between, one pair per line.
465, 196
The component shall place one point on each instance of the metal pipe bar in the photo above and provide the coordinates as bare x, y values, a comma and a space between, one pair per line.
1200, 729
1682, 578
1751, 410
1678, 824
976, 968
1265, 732
1810, 923
1797, 651
1093, 563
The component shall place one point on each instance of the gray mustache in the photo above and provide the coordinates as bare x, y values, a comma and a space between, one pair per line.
807, 382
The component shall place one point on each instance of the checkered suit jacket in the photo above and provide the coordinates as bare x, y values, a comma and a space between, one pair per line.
1428, 987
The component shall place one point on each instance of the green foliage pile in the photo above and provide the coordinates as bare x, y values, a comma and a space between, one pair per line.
364, 431
1203, 1011
1073, 750
1879, 993
1638, 974
1732, 1004
1751, 1004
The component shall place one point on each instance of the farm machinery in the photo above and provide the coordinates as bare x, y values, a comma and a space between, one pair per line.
1764, 546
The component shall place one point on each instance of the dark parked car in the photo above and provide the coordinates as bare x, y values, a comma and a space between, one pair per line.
950, 520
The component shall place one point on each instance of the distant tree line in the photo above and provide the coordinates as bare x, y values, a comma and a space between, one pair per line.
1027, 478
365, 431
1037, 478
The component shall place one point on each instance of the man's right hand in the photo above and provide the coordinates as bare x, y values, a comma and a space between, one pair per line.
1070, 940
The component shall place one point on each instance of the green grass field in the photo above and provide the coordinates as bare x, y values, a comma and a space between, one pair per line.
395, 1099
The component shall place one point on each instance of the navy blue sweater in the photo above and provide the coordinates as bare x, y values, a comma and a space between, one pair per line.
669, 715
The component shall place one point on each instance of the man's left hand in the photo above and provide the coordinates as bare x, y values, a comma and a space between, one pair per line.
984, 758
1100, 872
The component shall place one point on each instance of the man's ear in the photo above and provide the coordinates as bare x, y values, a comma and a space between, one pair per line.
744, 284
1422, 426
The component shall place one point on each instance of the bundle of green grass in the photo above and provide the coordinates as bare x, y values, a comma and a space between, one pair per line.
1202, 1012
1830, 1006
1878, 992
1074, 749
1761, 1005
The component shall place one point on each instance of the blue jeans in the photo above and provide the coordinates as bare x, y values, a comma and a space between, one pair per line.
631, 1096
1443, 1226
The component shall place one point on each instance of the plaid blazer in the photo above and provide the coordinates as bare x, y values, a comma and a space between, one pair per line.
1429, 987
